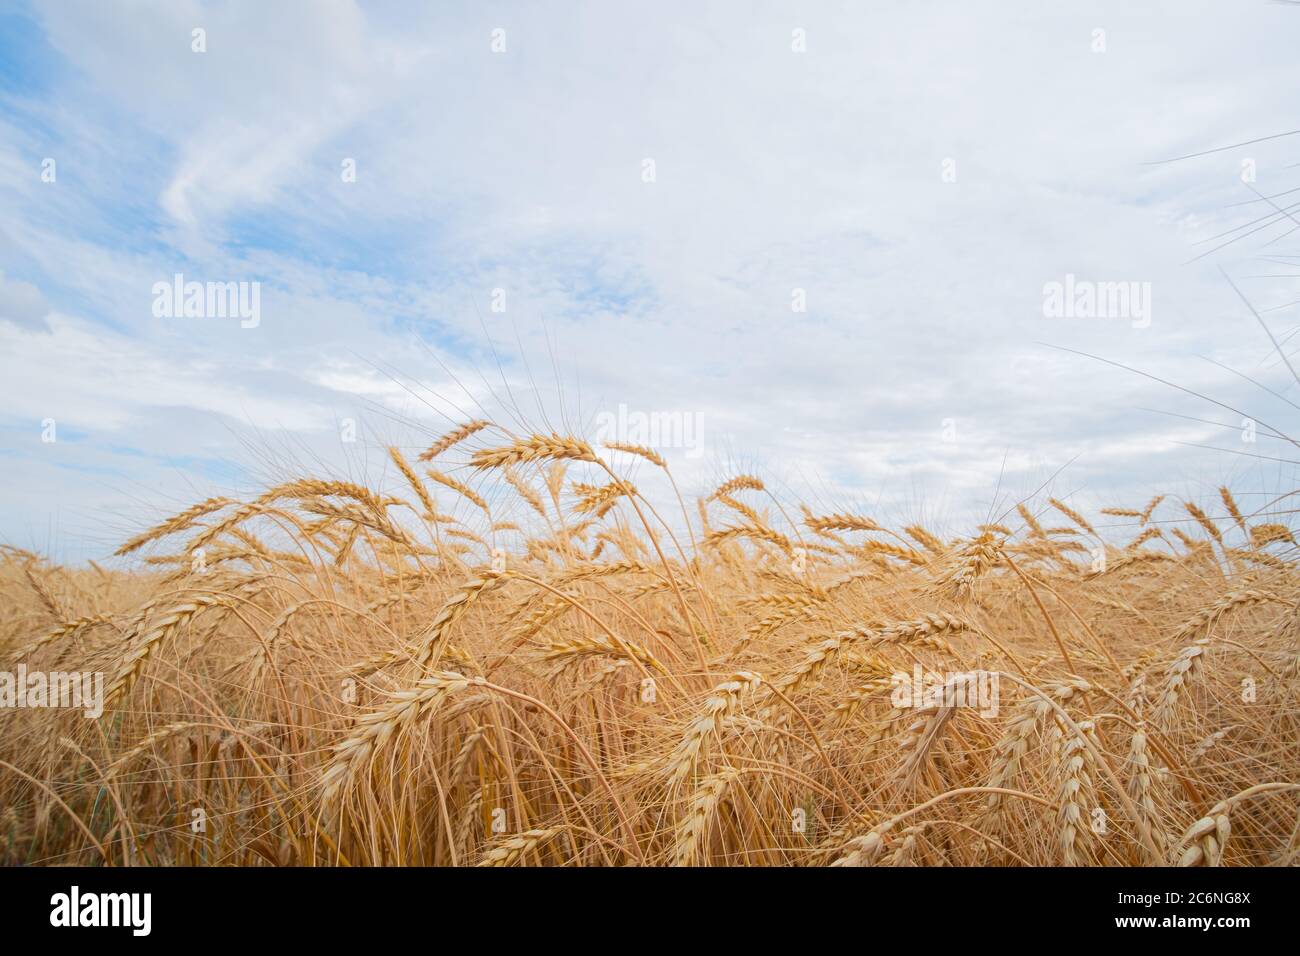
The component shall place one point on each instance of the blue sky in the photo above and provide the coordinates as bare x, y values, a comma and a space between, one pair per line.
920, 382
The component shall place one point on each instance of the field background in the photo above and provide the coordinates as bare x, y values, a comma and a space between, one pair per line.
323, 674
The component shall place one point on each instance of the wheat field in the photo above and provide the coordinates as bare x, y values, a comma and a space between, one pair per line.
518, 659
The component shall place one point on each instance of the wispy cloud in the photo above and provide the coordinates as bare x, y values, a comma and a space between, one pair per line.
837, 265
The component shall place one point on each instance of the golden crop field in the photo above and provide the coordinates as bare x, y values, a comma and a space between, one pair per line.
519, 659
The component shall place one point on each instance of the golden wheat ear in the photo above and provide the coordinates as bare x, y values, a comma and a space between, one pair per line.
453, 438
534, 448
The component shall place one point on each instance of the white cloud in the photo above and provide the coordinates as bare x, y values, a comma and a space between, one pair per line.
522, 171
22, 303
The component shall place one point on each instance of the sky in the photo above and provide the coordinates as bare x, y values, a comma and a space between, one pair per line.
815, 241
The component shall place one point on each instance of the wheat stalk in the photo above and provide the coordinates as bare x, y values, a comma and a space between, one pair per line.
452, 438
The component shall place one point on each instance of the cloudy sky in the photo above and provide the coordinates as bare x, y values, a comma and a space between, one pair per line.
818, 234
